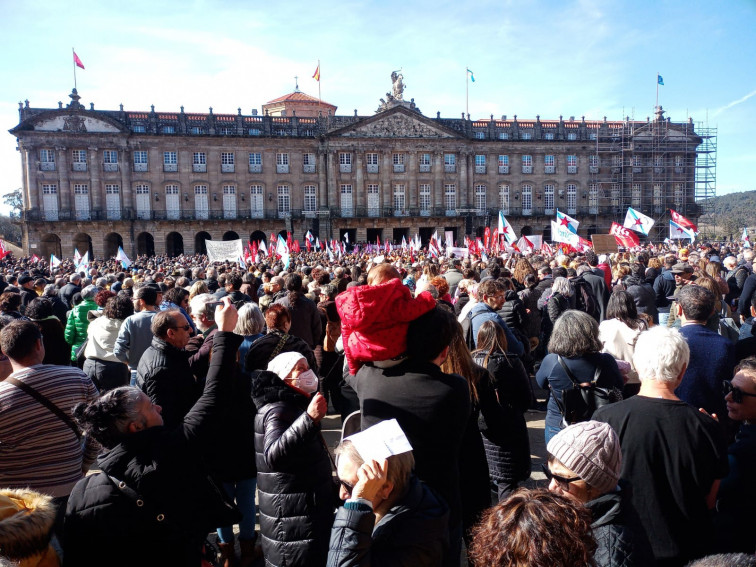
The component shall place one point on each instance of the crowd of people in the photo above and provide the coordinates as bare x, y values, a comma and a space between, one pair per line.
144, 408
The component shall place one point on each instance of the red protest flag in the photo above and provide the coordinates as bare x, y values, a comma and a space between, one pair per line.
77, 61
624, 236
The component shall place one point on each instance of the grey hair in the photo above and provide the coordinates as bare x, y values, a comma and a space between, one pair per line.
561, 285
251, 321
107, 418
582, 268
89, 292
74, 277
399, 466
660, 354
198, 305
725, 560
575, 334
50, 290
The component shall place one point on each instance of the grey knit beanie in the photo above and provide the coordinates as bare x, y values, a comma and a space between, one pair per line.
591, 450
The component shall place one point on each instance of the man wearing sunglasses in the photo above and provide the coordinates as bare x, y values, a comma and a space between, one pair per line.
164, 373
735, 522
673, 455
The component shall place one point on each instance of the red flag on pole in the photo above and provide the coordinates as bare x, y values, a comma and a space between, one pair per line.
78, 62
487, 238
624, 237
316, 74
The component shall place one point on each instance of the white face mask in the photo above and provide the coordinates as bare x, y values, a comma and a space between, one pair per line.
307, 382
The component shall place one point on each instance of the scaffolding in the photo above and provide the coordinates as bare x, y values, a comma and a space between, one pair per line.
652, 166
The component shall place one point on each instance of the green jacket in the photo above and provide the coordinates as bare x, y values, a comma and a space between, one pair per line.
77, 324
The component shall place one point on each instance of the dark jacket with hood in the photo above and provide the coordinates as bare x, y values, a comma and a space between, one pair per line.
261, 351
295, 487
513, 312
163, 466
664, 286
413, 533
621, 540
643, 295
165, 376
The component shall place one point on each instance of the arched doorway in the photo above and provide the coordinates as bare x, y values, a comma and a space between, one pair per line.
174, 244
112, 242
257, 236
50, 244
83, 243
547, 234
145, 244
199, 242
283, 234
230, 235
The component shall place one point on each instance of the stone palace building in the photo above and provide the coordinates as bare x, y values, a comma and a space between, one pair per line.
162, 182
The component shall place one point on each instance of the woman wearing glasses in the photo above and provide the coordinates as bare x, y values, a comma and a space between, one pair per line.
736, 500
584, 465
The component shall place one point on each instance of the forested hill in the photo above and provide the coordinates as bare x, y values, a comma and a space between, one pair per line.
731, 212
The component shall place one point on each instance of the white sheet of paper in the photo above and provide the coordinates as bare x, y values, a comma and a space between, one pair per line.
381, 441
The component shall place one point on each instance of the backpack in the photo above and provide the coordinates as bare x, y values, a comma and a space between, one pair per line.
467, 331
585, 300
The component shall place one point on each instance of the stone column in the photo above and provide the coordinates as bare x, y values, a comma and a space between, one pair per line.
64, 171
333, 189
359, 183
412, 181
126, 198
437, 196
28, 161
95, 186
464, 183
323, 200
387, 170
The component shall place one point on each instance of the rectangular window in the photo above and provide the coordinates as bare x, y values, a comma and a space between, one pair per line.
373, 200
548, 135
398, 161
503, 135
138, 129
635, 195
113, 202
284, 200
425, 199
503, 164
140, 160
227, 162
371, 159
504, 198
142, 201
480, 160
572, 164
308, 163
172, 202
229, 201
400, 203
592, 136
170, 158
195, 130
256, 203
548, 199
310, 199
527, 199
347, 202
81, 201
450, 199
593, 161
47, 156
345, 158
110, 156
616, 195
282, 163
199, 158
526, 136
50, 201
593, 198
658, 197
425, 163
637, 161
79, 158
255, 158
200, 202
480, 198
527, 164
450, 163
480, 135
571, 136
254, 132
679, 194
169, 129
616, 161
226, 131
571, 198
549, 164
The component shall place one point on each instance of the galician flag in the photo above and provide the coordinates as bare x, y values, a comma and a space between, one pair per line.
77, 257
506, 229
54, 262
676, 231
682, 221
83, 262
637, 221
567, 221
560, 233
123, 258
745, 235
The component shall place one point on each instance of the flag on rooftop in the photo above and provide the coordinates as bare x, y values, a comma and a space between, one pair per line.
472, 77
77, 61
660, 80
637, 221
316, 74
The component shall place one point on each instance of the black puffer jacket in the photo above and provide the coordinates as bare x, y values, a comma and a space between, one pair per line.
503, 403
618, 531
295, 487
513, 312
261, 351
164, 375
530, 297
163, 465
644, 296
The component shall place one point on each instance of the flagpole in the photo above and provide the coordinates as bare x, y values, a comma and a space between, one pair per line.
319, 98
73, 60
657, 91
467, 91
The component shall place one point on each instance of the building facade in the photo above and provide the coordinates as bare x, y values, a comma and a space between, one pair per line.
156, 182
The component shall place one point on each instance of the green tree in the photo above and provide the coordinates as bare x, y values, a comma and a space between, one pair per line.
15, 201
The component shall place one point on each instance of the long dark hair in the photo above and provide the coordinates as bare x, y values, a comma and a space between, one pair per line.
491, 340
294, 286
622, 306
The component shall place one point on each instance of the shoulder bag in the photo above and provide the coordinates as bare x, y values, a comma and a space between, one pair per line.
60, 414
579, 402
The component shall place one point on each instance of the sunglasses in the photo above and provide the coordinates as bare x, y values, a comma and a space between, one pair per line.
737, 393
185, 327
564, 482
348, 487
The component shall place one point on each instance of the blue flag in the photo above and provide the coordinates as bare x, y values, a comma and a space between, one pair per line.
659, 79
472, 77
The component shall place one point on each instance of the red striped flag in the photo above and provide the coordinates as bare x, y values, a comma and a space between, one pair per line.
77, 61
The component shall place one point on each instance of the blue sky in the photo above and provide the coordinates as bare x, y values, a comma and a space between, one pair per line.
547, 58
